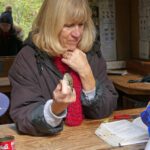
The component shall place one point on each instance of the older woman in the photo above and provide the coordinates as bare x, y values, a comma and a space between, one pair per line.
62, 41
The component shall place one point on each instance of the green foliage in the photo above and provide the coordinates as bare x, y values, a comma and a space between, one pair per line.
23, 11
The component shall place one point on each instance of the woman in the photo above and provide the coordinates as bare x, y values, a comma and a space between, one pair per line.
10, 44
61, 41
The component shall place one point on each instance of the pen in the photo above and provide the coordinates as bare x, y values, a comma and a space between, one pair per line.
124, 116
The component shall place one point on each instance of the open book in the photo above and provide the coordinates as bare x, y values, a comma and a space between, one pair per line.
123, 132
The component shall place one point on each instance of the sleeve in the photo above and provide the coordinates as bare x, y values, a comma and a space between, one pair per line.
50, 117
89, 94
27, 101
105, 100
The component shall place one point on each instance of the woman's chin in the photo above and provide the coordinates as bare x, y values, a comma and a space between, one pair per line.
72, 48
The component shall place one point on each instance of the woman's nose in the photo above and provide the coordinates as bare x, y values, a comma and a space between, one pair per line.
76, 31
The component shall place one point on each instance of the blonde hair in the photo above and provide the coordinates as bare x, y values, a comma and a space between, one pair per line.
52, 17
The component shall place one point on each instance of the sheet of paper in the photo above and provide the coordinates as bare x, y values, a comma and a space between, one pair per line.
107, 29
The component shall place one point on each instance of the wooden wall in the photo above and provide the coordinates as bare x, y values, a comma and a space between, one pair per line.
134, 29
123, 27
127, 29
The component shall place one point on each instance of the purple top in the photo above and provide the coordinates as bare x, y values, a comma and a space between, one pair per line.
145, 116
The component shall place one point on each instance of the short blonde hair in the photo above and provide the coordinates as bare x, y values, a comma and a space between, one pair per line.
52, 17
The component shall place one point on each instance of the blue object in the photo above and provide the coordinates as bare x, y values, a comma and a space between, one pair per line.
4, 104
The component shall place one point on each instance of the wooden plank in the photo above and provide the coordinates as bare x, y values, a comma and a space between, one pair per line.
5, 85
5, 64
123, 29
139, 66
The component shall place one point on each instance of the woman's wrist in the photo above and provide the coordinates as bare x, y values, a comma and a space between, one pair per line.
85, 72
57, 108
88, 80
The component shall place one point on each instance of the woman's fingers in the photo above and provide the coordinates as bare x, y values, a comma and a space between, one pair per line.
66, 89
67, 54
64, 93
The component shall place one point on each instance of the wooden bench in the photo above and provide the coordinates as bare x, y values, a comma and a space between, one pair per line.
5, 64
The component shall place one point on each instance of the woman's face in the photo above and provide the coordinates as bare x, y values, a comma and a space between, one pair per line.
5, 27
71, 35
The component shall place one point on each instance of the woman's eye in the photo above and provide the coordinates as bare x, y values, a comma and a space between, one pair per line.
81, 24
73, 25
69, 25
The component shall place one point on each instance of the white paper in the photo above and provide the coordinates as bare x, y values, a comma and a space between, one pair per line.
108, 29
123, 132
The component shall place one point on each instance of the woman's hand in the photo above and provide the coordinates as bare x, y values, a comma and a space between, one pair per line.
77, 60
63, 95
